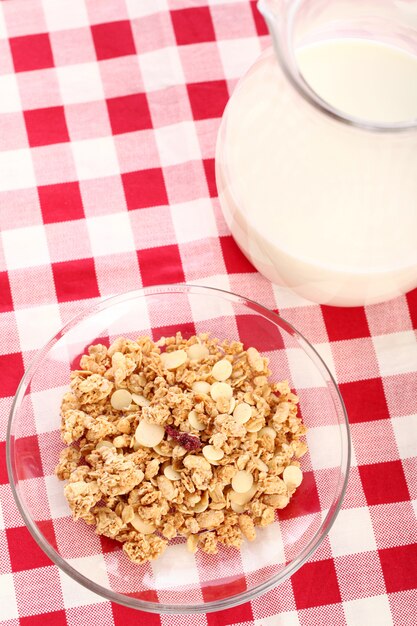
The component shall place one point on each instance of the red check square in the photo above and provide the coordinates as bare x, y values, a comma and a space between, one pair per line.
160, 265
55, 618
31, 52
412, 306
241, 614
209, 170
384, 482
365, 400
187, 329
345, 322
61, 202
305, 501
11, 368
208, 99
261, 27
24, 551
6, 302
123, 616
4, 479
235, 260
255, 330
113, 39
315, 584
27, 449
193, 25
129, 113
46, 126
75, 280
399, 566
145, 188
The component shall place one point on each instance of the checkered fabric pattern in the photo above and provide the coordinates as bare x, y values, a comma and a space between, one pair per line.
108, 120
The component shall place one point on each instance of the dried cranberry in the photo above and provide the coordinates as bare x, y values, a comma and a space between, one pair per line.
187, 441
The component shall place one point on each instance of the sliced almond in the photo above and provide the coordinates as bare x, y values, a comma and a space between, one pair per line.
268, 431
104, 444
282, 502
262, 467
163, 450
242, 481
237, 508
292, 476
242, 412
121, 441
121, 399
171, 474
197, 352
202, 504
201, 386
221, 390
128, 513
146, 528
243, 498
149, 435
173, 360
179, 451
254, 426
140, 400
212, 454
194, 421
222, 370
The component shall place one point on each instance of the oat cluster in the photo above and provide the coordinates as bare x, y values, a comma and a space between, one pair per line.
178, 437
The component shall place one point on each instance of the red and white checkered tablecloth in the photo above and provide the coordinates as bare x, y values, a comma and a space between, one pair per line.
108, 117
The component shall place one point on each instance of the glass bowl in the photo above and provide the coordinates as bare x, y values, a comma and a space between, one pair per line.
178, 582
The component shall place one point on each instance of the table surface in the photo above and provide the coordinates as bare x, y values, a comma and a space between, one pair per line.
108, 119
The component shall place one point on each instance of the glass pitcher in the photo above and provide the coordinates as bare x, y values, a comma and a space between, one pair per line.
316, 159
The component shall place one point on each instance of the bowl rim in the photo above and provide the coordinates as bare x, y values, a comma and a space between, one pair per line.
212, 605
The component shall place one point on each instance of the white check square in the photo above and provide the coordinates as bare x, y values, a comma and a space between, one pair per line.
38, 325
65, 14
110, 234
352, 532
304, 373
10, 98
93, 567
193, 220
328, 456
57, 501
3, 30
46, 405
396, 353
288, 299
16, 169
80, 83
287, 618
268, 549
95, 158
25, 247
177, 143
161, 69
325, 351
141, 9
405, 431
177, 567
8, 606
374, 610
237, 55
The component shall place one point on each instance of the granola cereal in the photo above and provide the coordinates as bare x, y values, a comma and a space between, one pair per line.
182, 437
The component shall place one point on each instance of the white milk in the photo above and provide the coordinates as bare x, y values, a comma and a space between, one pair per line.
324, 208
